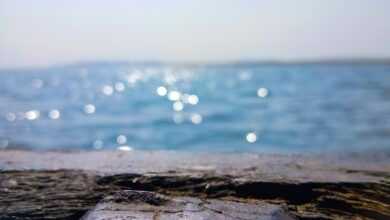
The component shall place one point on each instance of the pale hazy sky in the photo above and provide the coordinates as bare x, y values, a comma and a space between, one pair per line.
47, 32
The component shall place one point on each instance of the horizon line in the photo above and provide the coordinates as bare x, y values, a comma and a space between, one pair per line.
243, 62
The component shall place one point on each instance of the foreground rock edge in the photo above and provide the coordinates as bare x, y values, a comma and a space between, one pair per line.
25, 194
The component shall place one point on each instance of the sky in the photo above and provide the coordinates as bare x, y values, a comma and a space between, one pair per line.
47, 32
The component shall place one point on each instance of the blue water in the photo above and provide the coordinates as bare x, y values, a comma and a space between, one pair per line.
299, 108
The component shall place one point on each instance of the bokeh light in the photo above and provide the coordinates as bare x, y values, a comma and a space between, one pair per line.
251, 137
161, 91
54, 114
89, 109
32, 115
262, 92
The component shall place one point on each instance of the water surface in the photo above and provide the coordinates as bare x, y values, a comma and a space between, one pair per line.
266, 108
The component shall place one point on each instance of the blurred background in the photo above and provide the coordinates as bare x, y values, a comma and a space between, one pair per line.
225, 76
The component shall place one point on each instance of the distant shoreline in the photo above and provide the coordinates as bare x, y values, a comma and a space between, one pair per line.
238, 63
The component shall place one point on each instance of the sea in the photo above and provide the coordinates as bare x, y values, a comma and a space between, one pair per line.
290, 108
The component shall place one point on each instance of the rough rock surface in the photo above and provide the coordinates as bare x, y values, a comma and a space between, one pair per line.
148, 205
62, 194
55, 185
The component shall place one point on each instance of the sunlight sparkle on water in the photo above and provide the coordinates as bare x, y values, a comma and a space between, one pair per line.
32, 115
133, 77
161, 91
178, 106
262, 92
170, 79
251, 137
54, 114
89, 109
174, 95
196, 118
193, 99
121, 139
10, 116
170, 95
107, 90
119, 87
98, 144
